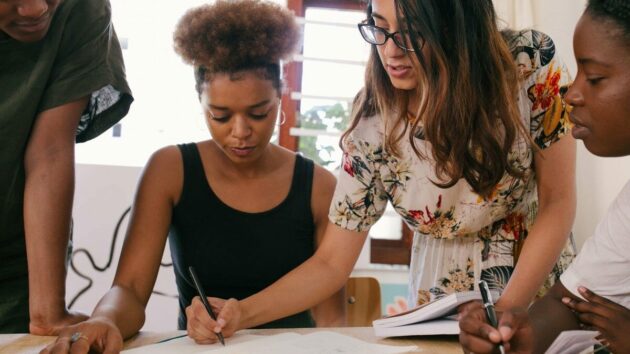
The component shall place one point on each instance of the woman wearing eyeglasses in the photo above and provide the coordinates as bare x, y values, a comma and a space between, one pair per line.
471, 151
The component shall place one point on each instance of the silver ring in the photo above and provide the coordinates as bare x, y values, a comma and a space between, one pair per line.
76, 336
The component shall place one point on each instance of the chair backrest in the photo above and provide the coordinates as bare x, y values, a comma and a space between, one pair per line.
363, 296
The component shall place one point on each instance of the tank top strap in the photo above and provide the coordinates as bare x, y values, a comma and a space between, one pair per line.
194, 176
302, 186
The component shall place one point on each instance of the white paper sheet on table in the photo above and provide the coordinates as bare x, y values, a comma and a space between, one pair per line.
185, 345
573, 342
323, 342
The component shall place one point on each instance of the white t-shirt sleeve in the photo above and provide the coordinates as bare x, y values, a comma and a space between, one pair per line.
603, 264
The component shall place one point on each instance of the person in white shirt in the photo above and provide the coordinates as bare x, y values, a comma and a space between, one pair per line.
594, 292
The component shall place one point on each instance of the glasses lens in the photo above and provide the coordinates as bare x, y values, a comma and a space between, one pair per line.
373, 34
404, 41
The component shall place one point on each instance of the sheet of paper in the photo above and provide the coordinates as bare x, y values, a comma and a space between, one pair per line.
573, 342
323, 342
186, 345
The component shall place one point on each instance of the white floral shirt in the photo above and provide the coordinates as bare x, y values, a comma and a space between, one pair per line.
459, 236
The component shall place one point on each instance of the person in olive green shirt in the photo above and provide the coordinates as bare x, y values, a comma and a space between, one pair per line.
62, 80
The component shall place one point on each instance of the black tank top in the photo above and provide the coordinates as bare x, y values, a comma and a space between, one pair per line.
237, 254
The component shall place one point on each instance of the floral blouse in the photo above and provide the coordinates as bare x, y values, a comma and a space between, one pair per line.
459, 236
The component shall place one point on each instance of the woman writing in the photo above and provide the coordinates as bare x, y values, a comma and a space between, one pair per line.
241, 210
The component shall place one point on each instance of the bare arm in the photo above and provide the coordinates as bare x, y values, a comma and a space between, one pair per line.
48, 193
160, 185
332, 311
555, 177
120, 312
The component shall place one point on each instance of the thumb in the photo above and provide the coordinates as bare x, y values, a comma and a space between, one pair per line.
508, 323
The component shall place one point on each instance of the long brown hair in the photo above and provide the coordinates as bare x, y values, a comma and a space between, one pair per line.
467, 89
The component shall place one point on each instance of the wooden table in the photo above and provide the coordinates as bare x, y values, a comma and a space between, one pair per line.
29, 344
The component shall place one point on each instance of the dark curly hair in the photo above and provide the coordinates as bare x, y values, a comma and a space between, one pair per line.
617, 11
232, 36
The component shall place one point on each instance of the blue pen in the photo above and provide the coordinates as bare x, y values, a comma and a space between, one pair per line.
488, 304
202, 295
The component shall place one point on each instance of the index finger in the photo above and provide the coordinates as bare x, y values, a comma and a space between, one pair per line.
475, 326
594, 298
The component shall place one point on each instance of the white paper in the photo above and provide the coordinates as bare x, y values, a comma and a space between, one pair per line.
573, 342
185, 345
321, 342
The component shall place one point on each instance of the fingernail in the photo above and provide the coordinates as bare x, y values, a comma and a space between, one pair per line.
221, 322
582, 289
566, 300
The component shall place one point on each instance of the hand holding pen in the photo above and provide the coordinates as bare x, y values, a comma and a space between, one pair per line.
488, 304
204, 300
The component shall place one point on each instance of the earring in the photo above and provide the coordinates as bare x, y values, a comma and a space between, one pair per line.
283, 118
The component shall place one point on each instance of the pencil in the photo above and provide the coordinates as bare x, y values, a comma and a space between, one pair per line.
204, 300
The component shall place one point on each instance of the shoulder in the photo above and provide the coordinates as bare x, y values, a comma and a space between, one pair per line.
323, 181
165, 166
84, 19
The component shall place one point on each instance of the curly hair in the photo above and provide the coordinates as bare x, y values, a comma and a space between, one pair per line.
231, 36
617, 11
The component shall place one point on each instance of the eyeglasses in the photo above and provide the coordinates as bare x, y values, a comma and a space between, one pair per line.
378, 36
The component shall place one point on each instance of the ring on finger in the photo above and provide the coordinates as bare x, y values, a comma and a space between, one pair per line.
76, 336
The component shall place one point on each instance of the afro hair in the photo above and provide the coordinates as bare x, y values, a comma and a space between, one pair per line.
233, 35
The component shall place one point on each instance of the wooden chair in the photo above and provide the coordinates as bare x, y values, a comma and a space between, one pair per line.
363, 296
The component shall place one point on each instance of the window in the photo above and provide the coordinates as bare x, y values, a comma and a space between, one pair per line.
323, 82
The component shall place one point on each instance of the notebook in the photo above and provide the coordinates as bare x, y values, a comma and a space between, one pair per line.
433, 318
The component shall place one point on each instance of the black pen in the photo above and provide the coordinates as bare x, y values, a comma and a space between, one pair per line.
488, 304
202, 295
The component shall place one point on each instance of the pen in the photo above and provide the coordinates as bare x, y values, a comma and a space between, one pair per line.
488, 304
202, 295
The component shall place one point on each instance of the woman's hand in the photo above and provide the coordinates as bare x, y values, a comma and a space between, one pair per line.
203, 329
609, 318
477, 336
96, 334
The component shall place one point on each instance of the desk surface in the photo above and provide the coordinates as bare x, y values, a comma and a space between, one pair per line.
29, 344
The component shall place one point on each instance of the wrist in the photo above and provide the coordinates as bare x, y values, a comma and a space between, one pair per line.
46, 311
247, 316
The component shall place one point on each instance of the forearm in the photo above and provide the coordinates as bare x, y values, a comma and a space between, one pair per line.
549, 316
331, 312
123, 308
301, 289
47, 211
546, 239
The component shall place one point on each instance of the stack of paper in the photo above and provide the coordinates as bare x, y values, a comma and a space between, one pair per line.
429, 319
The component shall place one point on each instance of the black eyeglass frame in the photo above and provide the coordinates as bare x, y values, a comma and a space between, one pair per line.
387, 35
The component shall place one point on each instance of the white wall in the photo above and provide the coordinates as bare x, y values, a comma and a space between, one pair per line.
102, 195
